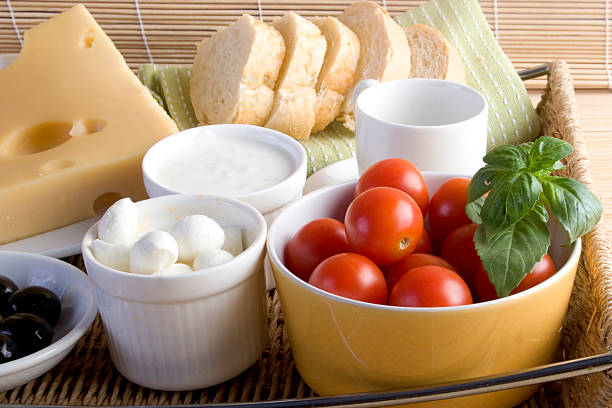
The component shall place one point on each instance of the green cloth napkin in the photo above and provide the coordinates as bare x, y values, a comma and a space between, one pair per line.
512, 118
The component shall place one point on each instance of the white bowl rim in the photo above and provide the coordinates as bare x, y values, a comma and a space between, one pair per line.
438, 82
275, 260
259, 237
287, 141
69, 338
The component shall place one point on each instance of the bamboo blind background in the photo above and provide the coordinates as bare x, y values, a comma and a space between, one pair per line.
530, 32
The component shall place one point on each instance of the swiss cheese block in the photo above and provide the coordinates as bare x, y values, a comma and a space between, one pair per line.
75, 124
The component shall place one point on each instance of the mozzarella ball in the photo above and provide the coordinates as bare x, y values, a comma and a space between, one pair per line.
154, 251
175, 269
194, 234
211, 257
119, 223
115, 256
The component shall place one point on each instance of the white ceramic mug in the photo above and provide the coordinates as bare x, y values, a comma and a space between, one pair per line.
437, 125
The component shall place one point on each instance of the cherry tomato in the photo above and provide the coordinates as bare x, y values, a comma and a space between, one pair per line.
351, 275
396, 173
459, 249
396, 271
424, 244
313, 243
384, 224
540, 272
430, 286
447, 209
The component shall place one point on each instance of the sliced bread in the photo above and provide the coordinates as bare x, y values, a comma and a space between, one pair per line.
234, 73
432, 56
338, 70
384, 52
295, 95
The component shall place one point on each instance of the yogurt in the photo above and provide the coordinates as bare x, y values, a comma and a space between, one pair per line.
211, 164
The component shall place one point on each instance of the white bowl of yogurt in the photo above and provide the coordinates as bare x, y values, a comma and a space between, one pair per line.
259, 166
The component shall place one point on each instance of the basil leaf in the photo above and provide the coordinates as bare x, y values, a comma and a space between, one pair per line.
546, 151
481, 182
512, 252
577, 208
514, 196
472, 210
507, 157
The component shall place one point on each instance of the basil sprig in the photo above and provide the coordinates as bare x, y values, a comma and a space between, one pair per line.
513, 236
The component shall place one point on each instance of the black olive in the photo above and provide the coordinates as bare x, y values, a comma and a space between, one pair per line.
6, 309
8, 349
7, 287
30, 332
39, 301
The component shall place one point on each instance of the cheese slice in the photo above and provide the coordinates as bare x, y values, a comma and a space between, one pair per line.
74, 125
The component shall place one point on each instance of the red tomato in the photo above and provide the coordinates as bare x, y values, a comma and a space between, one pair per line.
383, 224
313, 243
424, 244
396, 271
430, 286
459, 249
540, 272
396, 173
447, 209
351, 275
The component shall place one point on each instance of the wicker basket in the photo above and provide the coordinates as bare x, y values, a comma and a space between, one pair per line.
87, 375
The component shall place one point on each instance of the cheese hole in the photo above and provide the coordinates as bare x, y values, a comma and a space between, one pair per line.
104, 201
38, 138
87, 127
57, 164
89, 41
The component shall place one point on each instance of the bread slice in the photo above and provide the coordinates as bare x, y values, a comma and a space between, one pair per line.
384, 52
234, 73
295, 96
338, 70
432, 56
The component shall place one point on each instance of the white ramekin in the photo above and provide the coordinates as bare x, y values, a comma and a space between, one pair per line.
187, 331
265, 200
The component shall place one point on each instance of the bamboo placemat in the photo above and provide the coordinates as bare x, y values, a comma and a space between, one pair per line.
530, 33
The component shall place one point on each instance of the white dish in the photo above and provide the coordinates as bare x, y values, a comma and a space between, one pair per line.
193, 330
335, 173
58, 243
79, 309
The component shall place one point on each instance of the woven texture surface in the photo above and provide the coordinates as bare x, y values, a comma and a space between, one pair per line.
87, 376
530, 32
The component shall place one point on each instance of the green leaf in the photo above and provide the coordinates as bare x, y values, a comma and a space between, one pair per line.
546, 152
507, 157
481, 182
513, 197
472, 210
577, 208
512, 252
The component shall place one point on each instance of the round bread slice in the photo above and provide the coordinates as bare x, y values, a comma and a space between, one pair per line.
234, 73
429, 52
432, 55
384, 52
338, 70
295, 95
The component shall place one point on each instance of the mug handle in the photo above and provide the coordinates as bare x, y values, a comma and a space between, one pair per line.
359, 88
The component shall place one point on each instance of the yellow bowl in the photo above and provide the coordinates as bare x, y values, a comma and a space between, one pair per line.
344, 346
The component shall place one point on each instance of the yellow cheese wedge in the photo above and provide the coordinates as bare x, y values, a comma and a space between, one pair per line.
74, 125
